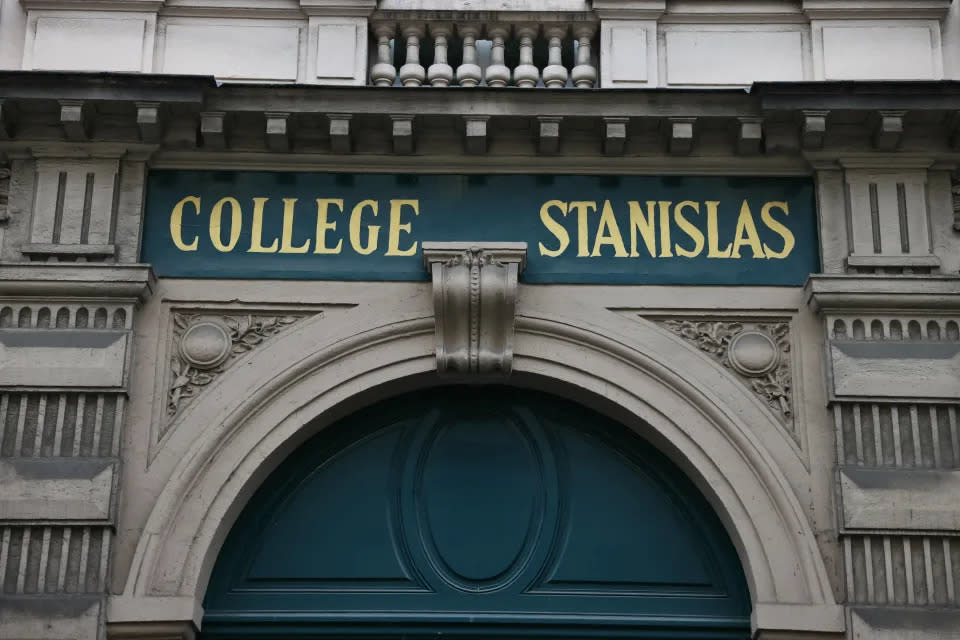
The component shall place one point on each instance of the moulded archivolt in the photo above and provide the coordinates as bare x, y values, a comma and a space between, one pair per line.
226, 443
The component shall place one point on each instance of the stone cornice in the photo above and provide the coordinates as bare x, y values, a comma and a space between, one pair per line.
629, 9
356, 8
785, 122
95, 5
858, 94
867, 9
878, 292
77, 280
72, 85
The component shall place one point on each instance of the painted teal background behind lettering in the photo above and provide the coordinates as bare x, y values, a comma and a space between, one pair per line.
474, 208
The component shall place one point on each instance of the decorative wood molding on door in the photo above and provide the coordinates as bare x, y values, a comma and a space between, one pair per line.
474, 300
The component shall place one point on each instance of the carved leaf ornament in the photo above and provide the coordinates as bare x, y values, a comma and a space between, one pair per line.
758, 354
206, 345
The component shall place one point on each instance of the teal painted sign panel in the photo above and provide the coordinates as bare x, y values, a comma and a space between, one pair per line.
579, 229
477, 511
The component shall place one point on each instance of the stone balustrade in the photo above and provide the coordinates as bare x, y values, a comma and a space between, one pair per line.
472, 54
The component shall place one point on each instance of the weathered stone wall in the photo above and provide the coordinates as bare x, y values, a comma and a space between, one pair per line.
123, 463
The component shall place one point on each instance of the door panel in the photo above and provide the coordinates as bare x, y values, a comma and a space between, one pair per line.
477, 511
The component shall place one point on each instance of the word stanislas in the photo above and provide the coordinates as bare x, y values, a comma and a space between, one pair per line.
663, 229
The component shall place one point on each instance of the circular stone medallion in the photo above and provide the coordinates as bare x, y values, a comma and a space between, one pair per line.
753, 353
205, 344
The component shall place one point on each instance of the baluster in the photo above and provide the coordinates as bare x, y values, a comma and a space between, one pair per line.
497, 74
469, 73
584, 74
526, 75
440, 74
555, 74
383, 73
412, 73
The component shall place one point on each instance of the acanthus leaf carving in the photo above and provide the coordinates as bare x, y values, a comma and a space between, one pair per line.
207, 344
758, 353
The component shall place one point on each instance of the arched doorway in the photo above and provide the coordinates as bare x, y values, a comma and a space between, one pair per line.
477, 511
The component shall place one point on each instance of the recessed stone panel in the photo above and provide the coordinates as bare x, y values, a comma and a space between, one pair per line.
696, 57
896, 369
904, 624
89, 44
55, 489
238, 51
57, 358
917, 499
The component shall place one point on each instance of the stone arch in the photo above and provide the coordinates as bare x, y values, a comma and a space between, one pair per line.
720, 434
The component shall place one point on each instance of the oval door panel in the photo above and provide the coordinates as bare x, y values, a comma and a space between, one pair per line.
479, 499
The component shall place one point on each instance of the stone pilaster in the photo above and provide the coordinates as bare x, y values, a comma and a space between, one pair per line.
65, 336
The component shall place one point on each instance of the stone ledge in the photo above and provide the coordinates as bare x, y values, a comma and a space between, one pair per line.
899, 499
132, 611
844, 292
71, 250
77, 280
55, 490
861, 9
889, 623
49, 617
776, 620
151, 631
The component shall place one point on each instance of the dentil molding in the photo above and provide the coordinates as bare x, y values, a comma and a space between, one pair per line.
474, 301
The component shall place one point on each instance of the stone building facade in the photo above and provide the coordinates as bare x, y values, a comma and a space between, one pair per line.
157, 373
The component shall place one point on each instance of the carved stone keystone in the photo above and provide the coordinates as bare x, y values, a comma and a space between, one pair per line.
474, 300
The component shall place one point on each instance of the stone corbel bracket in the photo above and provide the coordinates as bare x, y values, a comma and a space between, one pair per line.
474, 300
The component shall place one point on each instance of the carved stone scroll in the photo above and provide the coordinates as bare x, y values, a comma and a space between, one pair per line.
474, 300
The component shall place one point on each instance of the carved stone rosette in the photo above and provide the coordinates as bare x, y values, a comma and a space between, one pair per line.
474, 299
206, 344
759, 353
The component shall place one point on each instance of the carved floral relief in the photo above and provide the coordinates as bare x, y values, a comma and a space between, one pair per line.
758, 353
205, 345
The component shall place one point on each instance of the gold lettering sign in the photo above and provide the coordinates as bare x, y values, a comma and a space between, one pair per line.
653, 229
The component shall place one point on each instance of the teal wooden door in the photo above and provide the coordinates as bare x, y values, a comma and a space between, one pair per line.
477, 512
